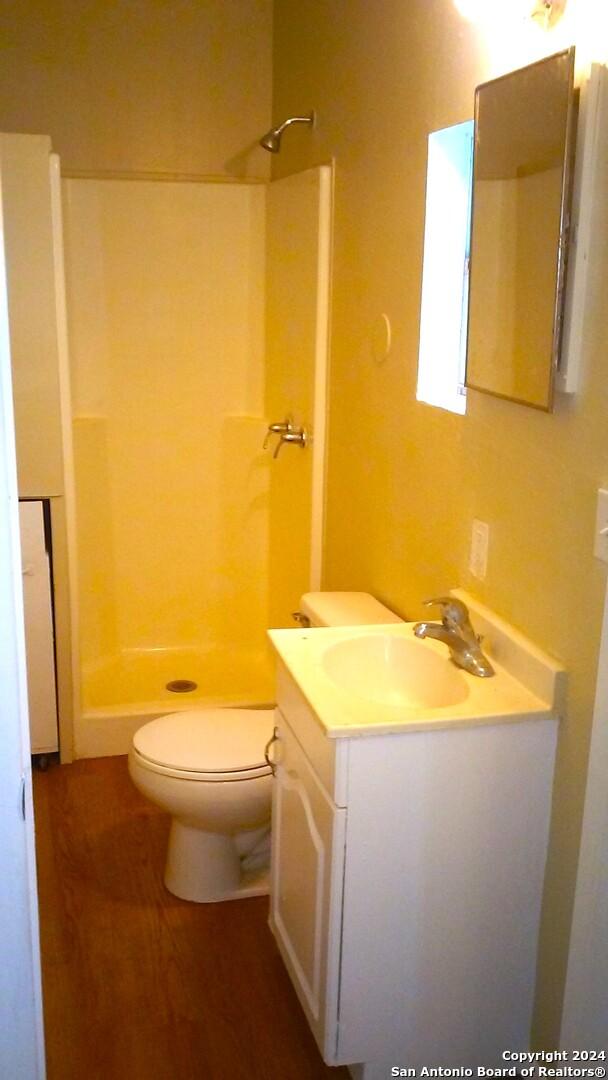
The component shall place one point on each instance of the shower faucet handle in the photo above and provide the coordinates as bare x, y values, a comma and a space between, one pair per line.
297, 436
281, 428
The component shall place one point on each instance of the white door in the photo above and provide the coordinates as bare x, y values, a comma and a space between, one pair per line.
306, 892
585, 1017
21, 1035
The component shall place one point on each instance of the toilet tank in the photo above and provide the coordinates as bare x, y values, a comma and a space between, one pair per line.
345, 609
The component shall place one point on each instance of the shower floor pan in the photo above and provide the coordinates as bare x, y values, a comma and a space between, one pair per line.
128, 689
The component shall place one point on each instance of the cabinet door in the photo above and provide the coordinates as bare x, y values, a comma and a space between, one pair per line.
308, 834
38, 613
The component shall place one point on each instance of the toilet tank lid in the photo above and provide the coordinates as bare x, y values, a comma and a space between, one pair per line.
345, 609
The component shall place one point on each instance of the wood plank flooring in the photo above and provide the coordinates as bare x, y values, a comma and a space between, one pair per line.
139, 985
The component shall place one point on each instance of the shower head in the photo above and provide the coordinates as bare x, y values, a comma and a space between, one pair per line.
272, 139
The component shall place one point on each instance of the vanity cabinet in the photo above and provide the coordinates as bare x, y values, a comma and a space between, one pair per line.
407, 874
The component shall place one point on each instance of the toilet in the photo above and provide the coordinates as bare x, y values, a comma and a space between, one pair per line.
207, 768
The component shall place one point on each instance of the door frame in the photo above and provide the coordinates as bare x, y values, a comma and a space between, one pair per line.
21, 1022
585, 1013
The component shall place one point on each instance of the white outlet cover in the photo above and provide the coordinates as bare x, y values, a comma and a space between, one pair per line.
600, 548
381, 338
478, 559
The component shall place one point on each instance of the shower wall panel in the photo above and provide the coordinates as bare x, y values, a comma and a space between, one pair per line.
165, 301
298, 250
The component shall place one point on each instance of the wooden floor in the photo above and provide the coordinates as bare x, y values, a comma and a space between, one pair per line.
139, 985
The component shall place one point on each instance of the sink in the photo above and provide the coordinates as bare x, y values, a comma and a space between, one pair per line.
380, 679
392, 670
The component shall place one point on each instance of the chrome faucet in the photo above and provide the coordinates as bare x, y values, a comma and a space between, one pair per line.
282, 428
299, 436
456, 632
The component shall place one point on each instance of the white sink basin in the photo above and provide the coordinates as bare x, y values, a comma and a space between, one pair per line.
392, 670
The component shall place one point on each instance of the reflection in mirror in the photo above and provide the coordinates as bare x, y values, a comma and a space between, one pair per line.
521, 185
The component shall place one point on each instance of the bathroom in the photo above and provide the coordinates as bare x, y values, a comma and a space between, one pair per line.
146, 90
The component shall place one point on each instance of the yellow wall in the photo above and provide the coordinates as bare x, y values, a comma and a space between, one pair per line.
405, 480
165, 307
137, 85
26, 199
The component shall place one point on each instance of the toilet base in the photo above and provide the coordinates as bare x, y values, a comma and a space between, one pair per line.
205, 867
253, 883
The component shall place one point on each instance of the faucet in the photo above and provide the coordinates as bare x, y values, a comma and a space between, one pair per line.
456, 632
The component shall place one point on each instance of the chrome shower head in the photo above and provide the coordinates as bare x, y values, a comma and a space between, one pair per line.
272, 139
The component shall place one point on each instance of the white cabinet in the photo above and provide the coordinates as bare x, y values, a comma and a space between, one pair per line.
406, 884
307, 866
38, 614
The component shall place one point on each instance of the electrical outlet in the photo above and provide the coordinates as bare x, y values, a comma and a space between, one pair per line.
478, 558
600, 549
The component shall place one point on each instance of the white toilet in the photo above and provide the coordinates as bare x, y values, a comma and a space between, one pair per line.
207, 768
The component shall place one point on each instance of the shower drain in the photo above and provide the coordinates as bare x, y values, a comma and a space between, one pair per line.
181, 686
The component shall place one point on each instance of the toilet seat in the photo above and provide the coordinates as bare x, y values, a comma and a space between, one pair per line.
212, 745
201, 777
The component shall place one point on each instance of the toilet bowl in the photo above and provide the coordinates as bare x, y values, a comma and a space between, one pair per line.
207, 769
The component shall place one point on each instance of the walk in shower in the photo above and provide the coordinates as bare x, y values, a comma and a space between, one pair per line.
175, 320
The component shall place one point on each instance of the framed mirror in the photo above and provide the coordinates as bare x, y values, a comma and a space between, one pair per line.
524, 141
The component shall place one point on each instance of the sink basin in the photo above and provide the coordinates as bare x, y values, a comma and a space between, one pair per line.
391, 670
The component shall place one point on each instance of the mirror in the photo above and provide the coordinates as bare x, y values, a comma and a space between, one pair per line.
524, 138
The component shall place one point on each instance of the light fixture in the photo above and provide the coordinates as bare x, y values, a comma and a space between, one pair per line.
545, 12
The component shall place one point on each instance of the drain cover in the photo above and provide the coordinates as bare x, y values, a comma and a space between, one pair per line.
181, 686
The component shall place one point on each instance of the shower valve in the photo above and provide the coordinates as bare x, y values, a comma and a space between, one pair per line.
282, 428
296, 436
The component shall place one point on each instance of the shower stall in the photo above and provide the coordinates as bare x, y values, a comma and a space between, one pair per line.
198, 315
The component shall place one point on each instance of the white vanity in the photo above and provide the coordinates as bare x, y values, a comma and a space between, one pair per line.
409, 841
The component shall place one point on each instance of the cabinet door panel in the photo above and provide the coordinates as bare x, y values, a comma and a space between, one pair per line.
308, 854
38, 615
299, 900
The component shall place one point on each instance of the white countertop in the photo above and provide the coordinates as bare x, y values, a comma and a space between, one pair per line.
341, 712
